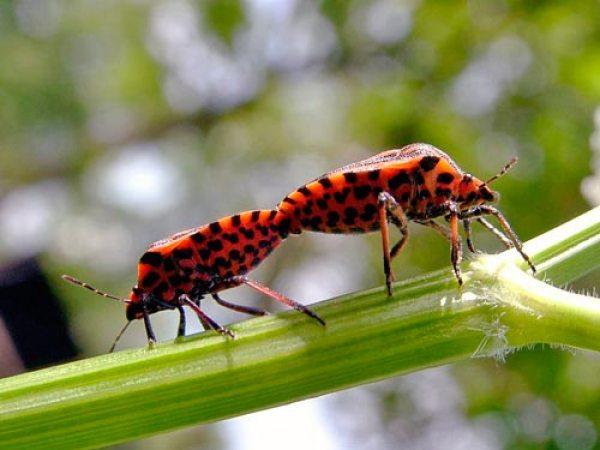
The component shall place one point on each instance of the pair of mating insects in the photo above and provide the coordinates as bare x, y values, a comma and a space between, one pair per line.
416, 183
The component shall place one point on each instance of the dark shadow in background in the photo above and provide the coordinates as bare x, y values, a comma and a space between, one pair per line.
33, 317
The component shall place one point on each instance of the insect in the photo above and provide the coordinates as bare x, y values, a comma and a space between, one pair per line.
415, 183
181, 270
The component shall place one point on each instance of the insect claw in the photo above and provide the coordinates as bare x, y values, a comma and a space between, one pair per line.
388, 287
458, 276
533, 269
226, 331
310, 313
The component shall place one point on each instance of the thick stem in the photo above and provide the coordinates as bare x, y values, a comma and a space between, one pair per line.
280, 359
531, 311
272, 361
539, 312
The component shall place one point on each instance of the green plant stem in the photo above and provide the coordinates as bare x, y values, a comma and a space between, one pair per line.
538, 312
279, 359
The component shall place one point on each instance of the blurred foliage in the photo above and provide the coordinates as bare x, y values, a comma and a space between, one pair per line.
225, 105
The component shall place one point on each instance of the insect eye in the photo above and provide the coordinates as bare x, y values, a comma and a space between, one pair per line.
133, 311
489, 195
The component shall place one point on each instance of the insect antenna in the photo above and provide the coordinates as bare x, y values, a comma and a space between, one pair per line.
114, 344
509, 165
89, 287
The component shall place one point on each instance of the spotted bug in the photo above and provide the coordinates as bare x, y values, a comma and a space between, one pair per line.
181, 270
415, 183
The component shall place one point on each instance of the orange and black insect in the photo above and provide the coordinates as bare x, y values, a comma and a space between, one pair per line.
181, 270
415, 183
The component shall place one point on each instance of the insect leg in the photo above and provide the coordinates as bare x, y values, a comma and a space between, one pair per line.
388, 207
206, 325
400, 220
467, 227
455, 242
149, 331
276, 296
166, 305
499, 234
239, 308
483, 210
385, 240
207, 322
181, 328
197, 299
453, 236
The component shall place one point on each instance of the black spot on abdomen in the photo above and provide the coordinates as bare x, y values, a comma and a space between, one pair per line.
332, 218
183, 253
153, 259
350, 215
325, 182
315, 222
305, 191
369, 212
215, 245
374, 175
362, 192
198, 237
445, 177
322, 204
340, 197
440, 192
398, 180
428, 163
350, 177
418, 177
150, 279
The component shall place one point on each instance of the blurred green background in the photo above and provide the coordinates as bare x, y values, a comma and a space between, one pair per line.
124, 122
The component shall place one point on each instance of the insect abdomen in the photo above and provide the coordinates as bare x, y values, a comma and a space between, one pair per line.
346, 201
228, 247
335, 203
236, 244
